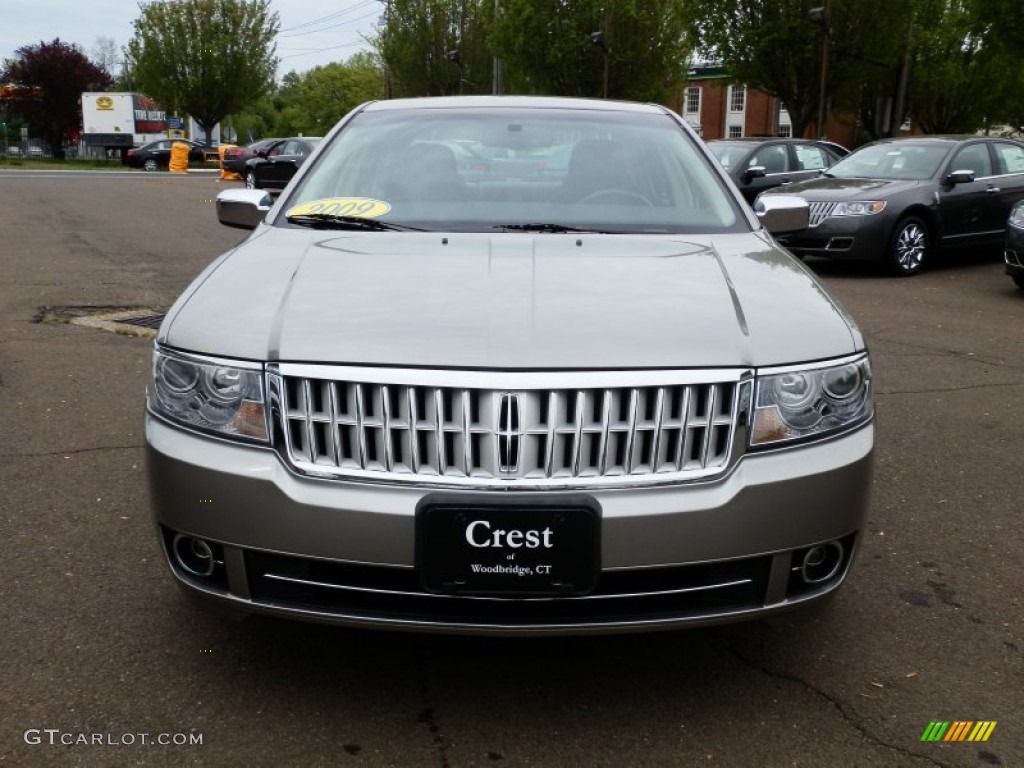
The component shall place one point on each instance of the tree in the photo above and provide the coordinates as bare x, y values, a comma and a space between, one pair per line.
312, 102
435, 47
206, 58
547, 47
106, 56
50, 78
775, 46
966, 75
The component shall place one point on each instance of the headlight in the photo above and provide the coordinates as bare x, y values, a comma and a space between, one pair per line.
223, 396
859, 208
801, 403
1017, 216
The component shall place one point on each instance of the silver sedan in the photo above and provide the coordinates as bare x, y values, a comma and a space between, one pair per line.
509, 366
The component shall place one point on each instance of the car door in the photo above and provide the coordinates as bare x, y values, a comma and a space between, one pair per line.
809, 160
969, 210
1009, 167
774, 157
283, 164
161, 152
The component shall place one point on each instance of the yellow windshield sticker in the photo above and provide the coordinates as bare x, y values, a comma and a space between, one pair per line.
363, 207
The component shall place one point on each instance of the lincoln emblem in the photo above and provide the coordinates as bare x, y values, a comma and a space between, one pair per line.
509, 433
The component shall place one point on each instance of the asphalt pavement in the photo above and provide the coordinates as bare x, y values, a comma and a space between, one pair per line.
98, 647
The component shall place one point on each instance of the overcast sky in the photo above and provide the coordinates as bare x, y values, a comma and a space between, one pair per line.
311, 33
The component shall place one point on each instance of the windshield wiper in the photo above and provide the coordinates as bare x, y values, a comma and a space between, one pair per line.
337, 221
552, 228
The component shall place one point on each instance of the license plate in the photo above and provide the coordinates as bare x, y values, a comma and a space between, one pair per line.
508, 550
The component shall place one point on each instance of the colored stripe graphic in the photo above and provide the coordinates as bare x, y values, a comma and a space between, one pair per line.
935, 731
982, 730
958, 730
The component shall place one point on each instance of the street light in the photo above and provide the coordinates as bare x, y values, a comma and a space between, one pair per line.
455, 56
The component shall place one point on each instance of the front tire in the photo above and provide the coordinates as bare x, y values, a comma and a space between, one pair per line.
909, 248
150, 165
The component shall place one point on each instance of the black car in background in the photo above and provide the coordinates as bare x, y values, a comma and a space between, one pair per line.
273, 167
1014, 253
900, 200
235, 157
157, 154
755, 165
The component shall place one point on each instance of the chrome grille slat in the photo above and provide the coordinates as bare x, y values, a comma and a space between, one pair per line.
819, 212
684, 431
577, 440
441, 463
659, 416
360, 435
332, 405
555, 436
307, 410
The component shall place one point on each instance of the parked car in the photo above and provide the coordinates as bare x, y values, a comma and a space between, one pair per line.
900, 200
417, 399
273, 167
755, 165
1014, 253
157, 154
236, 157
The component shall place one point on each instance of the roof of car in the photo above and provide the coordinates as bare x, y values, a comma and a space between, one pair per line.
515, 102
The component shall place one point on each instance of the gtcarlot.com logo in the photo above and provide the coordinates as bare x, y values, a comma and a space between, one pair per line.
958, 730
55, 736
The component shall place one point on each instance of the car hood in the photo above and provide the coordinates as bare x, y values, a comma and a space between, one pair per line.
824, 188
510, 301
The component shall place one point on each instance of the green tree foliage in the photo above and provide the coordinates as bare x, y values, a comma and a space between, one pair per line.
52, 77
966, 72
206, 58
775, 46
546, 47
313, 101
435, 47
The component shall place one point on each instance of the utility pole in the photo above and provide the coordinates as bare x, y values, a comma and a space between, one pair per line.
600, 39
387, 71
896, 118
822, 17
498, 70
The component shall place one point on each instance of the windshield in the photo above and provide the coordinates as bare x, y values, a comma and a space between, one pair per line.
892, 161
729, 154
517, 169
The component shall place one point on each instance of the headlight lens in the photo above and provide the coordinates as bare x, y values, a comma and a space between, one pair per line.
215, 395
812, 402
859, 208
1017, 216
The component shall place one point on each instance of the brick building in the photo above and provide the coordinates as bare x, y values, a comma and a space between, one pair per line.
717, 108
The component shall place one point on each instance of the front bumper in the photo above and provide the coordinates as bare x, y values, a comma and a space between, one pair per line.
851, 238
344, 552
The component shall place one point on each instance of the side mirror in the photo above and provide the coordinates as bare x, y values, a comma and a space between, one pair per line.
960, 177
261, 153
780, 214
754, 172
243, 208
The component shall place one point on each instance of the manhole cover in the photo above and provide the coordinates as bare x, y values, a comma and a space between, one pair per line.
128, 321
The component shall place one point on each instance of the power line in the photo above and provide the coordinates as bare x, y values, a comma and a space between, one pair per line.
320, 50
291, 31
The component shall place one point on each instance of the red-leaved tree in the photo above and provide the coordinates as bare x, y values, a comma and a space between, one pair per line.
49, 79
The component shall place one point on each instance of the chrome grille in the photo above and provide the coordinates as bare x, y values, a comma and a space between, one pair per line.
820, 212
339, 422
